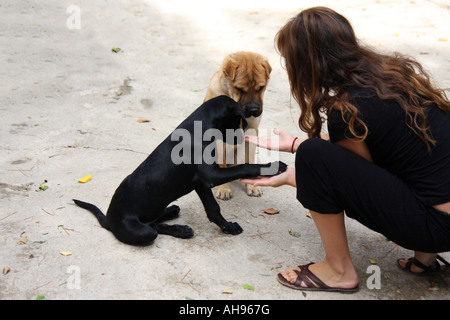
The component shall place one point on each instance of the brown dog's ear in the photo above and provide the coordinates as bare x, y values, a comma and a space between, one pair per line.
229, 68
267, 67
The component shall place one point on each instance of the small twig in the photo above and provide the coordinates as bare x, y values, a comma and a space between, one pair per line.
188, 283
9, 215
66, 229
42, 285
50, 214
260, 234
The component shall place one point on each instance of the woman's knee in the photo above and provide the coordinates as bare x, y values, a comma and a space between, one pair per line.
310, 150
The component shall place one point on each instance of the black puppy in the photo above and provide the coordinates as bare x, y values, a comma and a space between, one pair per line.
139, 204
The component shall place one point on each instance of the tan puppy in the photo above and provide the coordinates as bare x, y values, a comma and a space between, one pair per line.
242, 77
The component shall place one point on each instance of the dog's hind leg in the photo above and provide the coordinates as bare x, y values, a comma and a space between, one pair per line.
169, 213
177, 231
134, 232
213, 211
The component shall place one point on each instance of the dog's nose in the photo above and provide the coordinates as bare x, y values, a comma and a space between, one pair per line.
252, 110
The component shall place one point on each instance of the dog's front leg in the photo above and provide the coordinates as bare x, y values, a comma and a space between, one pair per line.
213, 175
213, 211
223, 191
250, 157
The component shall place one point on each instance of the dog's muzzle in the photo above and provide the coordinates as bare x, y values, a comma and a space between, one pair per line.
252, 110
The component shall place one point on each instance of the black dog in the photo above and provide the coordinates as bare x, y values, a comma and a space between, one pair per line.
139, 204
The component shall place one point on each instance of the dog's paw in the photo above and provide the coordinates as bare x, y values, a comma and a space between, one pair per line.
253, 191
184, 232
224, 193
282, 167
232, 228
273, 168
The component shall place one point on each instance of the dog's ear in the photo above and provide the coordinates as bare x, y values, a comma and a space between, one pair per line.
229, 67
267, 68
236, 112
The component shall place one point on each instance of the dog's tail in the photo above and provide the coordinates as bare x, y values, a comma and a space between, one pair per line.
95, 210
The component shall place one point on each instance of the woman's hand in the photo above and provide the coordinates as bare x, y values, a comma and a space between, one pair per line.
285, 178
282, 141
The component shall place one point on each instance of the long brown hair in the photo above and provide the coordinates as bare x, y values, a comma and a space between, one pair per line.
323, 59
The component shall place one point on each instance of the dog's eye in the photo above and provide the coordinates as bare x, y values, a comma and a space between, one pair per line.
261, 89
241, 91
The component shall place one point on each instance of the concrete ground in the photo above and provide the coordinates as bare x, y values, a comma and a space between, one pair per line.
70, 107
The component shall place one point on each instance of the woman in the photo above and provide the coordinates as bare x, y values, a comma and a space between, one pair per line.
387, 161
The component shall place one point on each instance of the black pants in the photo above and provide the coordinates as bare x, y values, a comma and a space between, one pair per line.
331, 179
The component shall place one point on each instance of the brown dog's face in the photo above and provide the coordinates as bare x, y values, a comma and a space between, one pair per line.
247, 75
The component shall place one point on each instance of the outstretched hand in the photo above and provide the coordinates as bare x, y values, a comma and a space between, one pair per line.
285, 178
282, 141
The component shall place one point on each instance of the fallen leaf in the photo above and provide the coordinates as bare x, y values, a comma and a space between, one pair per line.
294, 233
40, 298
115, 49
442, 39
143, 120
24, 240
85, 179
433, 286
271, 211
6, 270
227, 291
308, 214
372, 261
65, 253
248, 287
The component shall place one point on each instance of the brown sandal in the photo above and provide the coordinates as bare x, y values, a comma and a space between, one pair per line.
434, 268
311, 281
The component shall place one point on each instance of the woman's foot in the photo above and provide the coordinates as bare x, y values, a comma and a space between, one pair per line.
424, 263
333, 277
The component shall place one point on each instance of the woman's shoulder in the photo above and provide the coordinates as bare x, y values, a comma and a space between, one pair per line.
356, 92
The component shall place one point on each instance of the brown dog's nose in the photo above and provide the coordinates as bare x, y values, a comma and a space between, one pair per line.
252, 110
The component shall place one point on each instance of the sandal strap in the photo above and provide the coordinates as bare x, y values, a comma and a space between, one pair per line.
445, 262
435, 266
417, 263
308, 278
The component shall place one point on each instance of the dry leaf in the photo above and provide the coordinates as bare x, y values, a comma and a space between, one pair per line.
227, 291
372, 261
442, 39
65, 253
143, 120
23, 240
85, 179
271, 211
308, 214
6, 270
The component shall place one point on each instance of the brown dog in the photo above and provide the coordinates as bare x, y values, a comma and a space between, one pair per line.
242, 77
